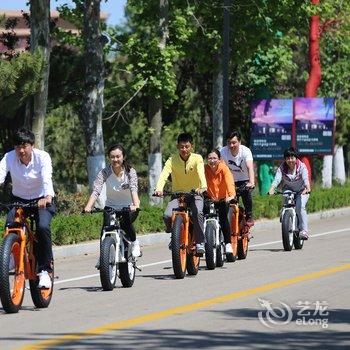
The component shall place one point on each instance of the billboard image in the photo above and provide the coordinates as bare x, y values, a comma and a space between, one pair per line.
272, 122
314, 125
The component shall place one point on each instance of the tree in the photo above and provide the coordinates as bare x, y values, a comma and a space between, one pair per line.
40, 40
94, 85
155, 112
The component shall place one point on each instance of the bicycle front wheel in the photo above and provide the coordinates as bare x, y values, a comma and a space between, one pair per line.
12, 282
178, 250
108, 267
210, 246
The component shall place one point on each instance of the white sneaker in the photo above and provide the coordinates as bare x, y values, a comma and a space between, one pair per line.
135, 249
44, 280
304, 235
12, 264
228, 248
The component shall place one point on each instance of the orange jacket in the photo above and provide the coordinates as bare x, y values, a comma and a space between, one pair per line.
220, 184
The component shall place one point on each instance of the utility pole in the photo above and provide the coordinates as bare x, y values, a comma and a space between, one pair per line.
225, 65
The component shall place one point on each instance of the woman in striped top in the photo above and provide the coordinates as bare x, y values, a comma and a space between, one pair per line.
121, 191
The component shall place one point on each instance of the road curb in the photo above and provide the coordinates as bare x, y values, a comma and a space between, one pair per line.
162, 237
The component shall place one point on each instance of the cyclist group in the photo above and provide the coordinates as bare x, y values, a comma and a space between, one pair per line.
232, 166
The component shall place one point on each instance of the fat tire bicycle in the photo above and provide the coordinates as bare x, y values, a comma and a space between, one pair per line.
289, 221
183, 245
116, 259
18, 261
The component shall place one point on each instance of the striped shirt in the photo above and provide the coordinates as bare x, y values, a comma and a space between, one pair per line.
118, 188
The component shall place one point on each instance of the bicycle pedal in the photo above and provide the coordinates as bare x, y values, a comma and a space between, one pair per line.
137, 268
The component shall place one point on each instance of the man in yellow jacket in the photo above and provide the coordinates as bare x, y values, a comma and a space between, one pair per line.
187, 173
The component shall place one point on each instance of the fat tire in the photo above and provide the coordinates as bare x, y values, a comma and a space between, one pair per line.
179, 265
106, 274
5, 288
127, 270
298, 242
286, 227
242, 248
210, 246
41, 297
192, 264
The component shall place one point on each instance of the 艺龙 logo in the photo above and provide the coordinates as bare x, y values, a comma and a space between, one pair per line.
274, 315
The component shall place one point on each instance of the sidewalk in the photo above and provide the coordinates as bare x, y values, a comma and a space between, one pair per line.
92, 247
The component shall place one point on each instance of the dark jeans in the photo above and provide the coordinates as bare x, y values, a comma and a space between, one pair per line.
43, 246
127, 218
197, 216
247, 199
223, 211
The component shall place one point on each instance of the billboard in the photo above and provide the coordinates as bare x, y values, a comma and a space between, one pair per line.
314, 125
272, 122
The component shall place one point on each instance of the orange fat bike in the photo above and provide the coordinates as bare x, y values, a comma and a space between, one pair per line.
239, 229
18, 262
183, 244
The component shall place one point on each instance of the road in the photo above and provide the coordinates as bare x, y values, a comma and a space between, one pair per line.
230, 307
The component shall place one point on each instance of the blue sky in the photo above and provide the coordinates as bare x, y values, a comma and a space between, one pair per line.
115, 8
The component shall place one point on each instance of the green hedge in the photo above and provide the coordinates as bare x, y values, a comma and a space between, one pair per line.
68, 226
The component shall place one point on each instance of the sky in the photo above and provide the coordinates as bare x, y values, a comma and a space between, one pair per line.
115, 8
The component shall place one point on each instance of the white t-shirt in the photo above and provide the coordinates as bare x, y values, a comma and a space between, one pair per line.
238, 163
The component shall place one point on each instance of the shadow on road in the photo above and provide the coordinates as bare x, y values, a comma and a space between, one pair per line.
307, 337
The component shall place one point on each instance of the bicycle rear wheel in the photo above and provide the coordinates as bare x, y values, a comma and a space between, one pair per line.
41, 297
127, 270
243, 243
12, 283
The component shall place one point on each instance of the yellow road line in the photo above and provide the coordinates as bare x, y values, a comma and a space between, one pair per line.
185, 308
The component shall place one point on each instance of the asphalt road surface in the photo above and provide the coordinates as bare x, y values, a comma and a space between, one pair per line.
271, 300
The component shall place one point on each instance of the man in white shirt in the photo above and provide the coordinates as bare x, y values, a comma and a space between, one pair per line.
31, 175
239, 159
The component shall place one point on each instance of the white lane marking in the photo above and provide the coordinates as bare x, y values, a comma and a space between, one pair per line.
167, 261
97, 274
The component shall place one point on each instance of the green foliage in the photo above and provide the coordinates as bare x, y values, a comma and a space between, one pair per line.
75, 228
19, 79
64, 143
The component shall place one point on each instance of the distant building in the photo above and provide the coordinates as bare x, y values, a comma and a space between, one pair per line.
22, 31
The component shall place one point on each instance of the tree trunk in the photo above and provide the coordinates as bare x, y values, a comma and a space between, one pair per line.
327, 172
92, 107
155, 155
315, 75
40, 39
218, 129
339, 165
155, 113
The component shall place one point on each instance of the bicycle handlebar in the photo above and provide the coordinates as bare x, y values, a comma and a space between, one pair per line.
290, 191
109, 210
176, 194
9, 206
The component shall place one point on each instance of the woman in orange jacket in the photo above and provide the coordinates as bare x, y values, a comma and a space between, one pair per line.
220, 187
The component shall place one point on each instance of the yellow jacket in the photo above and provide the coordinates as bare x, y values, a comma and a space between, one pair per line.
185, 176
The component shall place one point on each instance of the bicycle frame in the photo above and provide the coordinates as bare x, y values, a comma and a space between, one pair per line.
119, 237
289, 206
213, 218
27, 262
